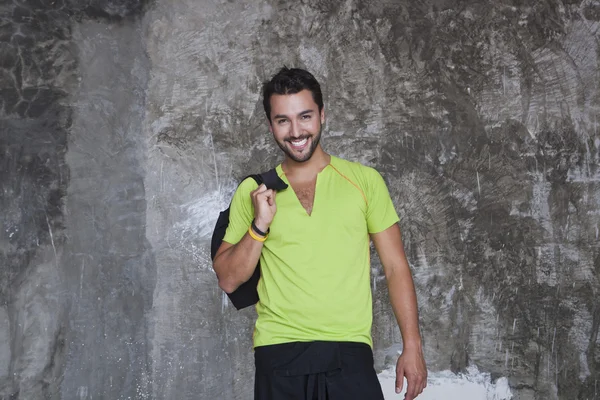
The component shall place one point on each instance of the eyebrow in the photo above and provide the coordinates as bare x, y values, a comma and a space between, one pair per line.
299, 114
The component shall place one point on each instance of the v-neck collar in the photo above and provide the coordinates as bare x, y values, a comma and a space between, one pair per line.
283, 176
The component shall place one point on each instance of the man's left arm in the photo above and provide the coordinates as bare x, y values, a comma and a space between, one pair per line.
411, 364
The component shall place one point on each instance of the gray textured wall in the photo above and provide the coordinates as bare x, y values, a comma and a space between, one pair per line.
124, 127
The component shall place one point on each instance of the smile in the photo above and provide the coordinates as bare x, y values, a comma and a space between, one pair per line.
299, 144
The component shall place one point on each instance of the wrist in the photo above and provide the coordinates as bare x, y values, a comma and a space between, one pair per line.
262, 226
412, 345
256, 236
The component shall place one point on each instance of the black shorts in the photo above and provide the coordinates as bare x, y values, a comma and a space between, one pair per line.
315, 371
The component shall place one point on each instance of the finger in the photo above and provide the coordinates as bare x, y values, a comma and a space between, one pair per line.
411, 387
264, 195
261, 188
409, 392
254, 193
418, 387
272, 197
399, 379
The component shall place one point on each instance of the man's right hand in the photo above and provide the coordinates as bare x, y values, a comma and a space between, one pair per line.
265, 208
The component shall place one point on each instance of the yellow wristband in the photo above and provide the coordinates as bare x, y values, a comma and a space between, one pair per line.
255, 236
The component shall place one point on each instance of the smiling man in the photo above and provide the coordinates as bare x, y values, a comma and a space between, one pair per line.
312, 338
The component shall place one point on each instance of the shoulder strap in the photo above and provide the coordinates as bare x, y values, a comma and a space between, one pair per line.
257, 178
272, 180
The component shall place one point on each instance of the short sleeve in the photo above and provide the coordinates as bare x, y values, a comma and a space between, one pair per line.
241, 212
381, 213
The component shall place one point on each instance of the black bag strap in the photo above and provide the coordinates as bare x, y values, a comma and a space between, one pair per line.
270, 179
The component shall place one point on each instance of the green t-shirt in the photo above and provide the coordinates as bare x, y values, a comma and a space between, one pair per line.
315, 269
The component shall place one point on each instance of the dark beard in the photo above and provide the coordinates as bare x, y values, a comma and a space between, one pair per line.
313, 145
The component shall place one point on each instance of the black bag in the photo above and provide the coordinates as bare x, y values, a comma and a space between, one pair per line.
247, 294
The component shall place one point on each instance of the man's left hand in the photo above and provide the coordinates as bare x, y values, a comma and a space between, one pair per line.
411, 364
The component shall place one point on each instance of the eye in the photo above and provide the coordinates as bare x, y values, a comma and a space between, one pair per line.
306, 117
281, 121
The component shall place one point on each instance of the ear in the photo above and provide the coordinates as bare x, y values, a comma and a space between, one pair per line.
322, 115
270, 126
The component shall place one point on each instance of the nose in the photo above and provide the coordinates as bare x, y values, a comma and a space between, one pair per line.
294, 129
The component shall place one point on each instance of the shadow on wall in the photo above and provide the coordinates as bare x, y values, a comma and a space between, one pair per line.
45, 284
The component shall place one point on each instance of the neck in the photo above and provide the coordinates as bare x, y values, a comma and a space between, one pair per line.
317, 162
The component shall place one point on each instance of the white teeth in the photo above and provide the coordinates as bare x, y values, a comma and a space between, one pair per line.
299, 143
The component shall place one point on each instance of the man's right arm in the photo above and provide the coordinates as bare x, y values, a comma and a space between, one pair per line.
234, 264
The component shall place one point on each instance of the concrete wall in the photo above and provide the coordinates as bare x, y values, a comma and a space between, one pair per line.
124, 127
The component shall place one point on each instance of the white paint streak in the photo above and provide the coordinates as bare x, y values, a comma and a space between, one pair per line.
474, 385
81, 279
214, 156
224, 302
52, 241
197, 223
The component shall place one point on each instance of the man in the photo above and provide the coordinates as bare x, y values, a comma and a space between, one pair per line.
312, 338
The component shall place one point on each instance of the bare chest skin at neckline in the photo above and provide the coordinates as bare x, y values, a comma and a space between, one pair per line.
305, 192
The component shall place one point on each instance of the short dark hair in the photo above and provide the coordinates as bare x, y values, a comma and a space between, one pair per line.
291, 81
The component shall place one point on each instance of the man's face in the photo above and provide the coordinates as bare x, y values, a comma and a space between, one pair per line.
296, 124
